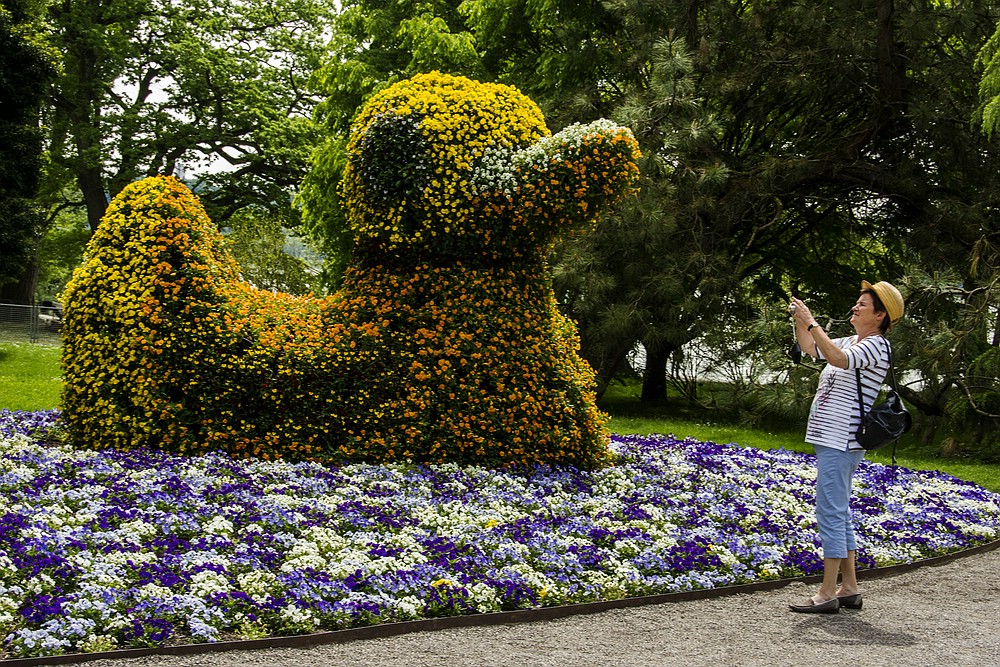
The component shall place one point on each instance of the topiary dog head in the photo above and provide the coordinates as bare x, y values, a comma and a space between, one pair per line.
452, 167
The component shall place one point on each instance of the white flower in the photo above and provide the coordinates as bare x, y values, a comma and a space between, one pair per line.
98, 643
131, 558
207, 582
218, 525
154, 592
296, 616
256, 584
484, 598
40, 583
409, 607
304, 554
138, 529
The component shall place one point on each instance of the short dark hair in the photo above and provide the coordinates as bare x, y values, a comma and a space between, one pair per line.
879, 307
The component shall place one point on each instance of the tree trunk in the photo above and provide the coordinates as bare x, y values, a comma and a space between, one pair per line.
23, 291
82, 105
654, 379
888, 62
606, 367
94, 196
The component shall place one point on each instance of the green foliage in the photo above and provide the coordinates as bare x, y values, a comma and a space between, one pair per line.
160, 87
776, 171
60, 252
411, 38
257, 241
21, 224
574, 58
25, 72
376, 44
949, 345
322, 210
634, 279
443, 344
988, 60
433, 46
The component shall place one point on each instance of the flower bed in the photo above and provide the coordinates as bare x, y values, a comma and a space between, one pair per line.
102, 550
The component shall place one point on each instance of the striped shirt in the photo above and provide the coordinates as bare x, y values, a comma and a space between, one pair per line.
834, 416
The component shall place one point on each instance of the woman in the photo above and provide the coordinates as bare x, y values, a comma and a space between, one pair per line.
833, 419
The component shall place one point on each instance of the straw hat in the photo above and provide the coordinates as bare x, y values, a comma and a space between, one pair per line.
889, 296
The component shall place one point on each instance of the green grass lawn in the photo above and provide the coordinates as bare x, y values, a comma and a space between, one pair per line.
29, 376
29, 380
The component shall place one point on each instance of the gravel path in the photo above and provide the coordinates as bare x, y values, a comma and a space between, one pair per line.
941, 615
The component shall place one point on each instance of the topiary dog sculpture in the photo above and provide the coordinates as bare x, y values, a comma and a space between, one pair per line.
444, 343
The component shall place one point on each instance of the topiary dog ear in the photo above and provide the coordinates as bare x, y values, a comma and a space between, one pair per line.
392, 160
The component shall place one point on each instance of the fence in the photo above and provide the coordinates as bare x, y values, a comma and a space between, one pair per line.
40, 323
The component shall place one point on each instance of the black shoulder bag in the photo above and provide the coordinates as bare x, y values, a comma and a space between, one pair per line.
885, 422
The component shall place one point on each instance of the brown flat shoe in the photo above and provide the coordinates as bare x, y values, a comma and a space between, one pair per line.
810, 607
851, 601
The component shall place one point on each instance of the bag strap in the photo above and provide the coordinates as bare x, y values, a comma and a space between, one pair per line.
861, 403
892, 373
892, 381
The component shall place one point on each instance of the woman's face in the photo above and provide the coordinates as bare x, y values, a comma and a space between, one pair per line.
863, 315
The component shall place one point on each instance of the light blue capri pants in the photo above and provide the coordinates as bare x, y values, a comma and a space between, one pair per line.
834, 470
